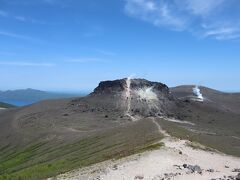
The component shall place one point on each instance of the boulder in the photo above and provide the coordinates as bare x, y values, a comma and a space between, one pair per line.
197, 169
193, 169
238, 176
210, 170
138, 177
236, 170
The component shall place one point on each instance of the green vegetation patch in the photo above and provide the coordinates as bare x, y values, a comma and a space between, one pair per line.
42, 160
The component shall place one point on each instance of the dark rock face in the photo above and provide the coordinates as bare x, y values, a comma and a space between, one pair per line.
143, 83
120, 85
108, 87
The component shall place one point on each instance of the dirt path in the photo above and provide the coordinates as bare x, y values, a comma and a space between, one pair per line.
166, 162
159, 127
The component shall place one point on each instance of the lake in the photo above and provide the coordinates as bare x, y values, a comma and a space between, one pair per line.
18, 103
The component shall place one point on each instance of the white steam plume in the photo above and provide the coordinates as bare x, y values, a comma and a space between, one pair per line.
198, 93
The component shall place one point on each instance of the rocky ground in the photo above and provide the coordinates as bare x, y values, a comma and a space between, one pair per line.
175, 160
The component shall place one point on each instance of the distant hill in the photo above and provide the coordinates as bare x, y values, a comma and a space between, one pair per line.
28, 96
220, 100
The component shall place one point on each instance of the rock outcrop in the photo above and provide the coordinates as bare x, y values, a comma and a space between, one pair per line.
137, 97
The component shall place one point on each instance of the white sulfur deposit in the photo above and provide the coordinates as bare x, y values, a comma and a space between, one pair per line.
147, 94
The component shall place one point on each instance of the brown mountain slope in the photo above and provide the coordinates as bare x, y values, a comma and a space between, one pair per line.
115, 120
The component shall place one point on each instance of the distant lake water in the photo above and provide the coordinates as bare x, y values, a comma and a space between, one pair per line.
19, 103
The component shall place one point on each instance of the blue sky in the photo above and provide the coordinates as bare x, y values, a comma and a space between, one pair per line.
70, 45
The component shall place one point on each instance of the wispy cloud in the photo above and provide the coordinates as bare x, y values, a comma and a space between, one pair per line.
58, 3
30, 64
86, 60
50, 1
222, 32
5, 14
30, 20
31, 2
90, 34
21, 18
93, 31
106, 53
155, 12
190, 15
20, 36
13, 35
200, 7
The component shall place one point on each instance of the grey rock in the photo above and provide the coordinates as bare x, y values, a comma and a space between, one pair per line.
138, 177
238, 176
178, 167
236, 170
210, 170
115, 167
158, 177
193, 169
197, 169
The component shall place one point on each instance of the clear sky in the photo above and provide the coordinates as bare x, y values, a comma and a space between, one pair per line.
73, 44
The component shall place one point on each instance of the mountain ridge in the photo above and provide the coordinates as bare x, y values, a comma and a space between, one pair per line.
30, 95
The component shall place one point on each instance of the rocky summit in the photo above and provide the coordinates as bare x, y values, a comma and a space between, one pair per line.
137, 97
120, 85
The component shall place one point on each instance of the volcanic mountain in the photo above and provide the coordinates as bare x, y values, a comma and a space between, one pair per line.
118, 118
134, 97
